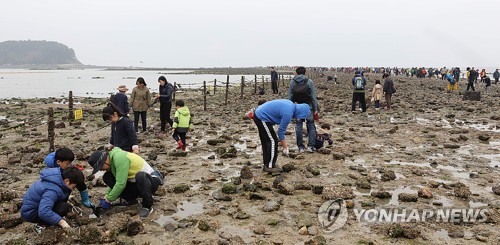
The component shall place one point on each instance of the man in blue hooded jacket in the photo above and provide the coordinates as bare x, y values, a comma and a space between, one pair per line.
278, 112
302, 90
63, 158
45, 202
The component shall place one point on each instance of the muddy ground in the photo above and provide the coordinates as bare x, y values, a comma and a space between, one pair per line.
432, 142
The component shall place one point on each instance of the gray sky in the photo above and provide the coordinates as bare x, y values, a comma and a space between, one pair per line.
209, 33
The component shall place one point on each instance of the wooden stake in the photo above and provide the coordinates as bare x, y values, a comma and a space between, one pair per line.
51, 126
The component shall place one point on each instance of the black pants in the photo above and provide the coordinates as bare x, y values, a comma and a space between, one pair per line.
143, 115
496, 80
179, 136
470, 85
358, 96
60, 208
274, 85
269, 142
165, 108
144, 186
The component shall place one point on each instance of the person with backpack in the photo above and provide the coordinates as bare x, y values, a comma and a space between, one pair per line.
303, 91
359, 83
389, 90
274, 80
470, 78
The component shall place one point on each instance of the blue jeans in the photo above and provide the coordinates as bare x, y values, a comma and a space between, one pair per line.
311, 131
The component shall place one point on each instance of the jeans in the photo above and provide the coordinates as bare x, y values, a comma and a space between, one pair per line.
165, 108
136, 120
377, 104
358, 96
311, 131
144, 186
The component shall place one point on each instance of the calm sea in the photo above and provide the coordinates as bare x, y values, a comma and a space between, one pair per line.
94, 82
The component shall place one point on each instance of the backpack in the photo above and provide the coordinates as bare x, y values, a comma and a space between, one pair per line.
359, 83
301, 93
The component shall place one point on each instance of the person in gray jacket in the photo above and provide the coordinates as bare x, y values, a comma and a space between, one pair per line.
496, 75
303, 91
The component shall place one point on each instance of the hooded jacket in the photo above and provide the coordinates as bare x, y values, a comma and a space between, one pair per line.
496, 74
281, 112
50, 161
43, 194
182, 120
301, 79
166, 93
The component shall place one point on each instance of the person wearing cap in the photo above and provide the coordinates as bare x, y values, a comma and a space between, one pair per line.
128, 176
278, 112
121, 99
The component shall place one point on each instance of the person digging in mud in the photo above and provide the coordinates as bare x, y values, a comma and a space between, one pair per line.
128, 177
182, 124
322, 136
46, 201
123, 134
63, 159
452, 84
303, 91
276, 112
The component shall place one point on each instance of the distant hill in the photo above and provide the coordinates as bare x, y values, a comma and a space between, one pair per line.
17, 53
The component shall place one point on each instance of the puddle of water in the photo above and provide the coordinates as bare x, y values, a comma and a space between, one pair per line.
473, 204
445, 201
457, 172
494, 159
185, 209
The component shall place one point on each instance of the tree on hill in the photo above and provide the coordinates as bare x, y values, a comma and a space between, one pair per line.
36, 53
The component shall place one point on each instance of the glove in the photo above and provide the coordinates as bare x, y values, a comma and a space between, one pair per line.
64, 224
86, 199
286, 152
105, 204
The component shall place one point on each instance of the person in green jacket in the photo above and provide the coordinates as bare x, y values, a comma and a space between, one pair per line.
128, 176
182, 124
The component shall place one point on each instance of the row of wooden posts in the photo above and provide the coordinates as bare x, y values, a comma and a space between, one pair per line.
71, 111
281, 78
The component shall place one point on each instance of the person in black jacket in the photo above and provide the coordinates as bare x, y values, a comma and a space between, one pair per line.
388, 91
121, 100
123, 134
274, 80
165, 97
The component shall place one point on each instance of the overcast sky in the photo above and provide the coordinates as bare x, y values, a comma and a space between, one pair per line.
209, 33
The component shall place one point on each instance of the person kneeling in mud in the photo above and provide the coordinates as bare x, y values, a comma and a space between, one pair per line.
323, 135
276, 112
46, 201
63, 158
128, 177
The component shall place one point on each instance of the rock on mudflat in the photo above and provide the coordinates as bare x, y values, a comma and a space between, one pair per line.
271, 206
381, 194
288, 167
338, 191
496, 189
246, 173
425, 193
407, 197
462, 191
388, 175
